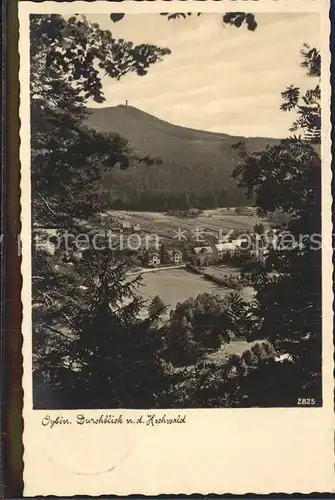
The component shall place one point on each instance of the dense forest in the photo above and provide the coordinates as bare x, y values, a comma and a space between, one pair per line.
176, 168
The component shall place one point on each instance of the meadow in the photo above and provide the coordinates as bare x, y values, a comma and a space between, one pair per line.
176, 285
210, 223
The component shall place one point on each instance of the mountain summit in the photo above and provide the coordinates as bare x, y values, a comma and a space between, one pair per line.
195, 165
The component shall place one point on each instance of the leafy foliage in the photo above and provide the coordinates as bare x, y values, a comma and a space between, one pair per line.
85, 311
289, 304
204, 324
180, 15
77, 51
235, 382
67, 61
239, 18
294, 167
311, 60
307, 105
233, 18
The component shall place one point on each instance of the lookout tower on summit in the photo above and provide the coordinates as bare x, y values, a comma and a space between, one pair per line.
126, 102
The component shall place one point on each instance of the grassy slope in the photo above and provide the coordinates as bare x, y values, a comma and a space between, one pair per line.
165, 226
192, 160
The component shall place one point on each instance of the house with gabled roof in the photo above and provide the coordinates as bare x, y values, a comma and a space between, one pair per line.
203, 256
222, 249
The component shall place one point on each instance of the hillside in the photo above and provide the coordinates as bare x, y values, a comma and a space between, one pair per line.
195, 165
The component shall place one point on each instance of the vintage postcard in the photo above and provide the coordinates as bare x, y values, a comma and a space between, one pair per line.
176, 247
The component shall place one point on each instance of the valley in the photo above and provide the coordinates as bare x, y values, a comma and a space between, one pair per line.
209, 223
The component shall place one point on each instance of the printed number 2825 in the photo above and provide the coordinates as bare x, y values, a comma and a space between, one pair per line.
306, 401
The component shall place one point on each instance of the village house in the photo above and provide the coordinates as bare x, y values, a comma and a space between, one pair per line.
125, 225
170, 255
223, 249
202, 256
152, 259
176, 256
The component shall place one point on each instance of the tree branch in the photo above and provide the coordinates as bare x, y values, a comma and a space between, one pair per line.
58, 332
50, 210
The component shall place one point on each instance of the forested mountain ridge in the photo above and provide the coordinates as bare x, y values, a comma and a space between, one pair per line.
194, 166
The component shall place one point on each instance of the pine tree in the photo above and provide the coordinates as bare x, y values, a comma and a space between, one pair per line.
75, 291
156, 308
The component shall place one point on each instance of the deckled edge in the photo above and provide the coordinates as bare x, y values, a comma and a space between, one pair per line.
332, 156
22, 230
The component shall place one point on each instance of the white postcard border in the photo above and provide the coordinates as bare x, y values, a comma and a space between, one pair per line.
217, 451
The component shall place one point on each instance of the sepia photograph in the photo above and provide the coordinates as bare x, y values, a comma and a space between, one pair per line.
176, 210
176, 248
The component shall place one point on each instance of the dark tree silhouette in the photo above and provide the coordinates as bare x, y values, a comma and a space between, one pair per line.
259, 228
156, 308
288, 177
78, 309
307, 105
233, 18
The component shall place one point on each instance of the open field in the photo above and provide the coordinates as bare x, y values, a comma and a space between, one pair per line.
234, 347
210, 223
177, 285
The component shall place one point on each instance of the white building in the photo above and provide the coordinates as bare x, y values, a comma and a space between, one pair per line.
223, 249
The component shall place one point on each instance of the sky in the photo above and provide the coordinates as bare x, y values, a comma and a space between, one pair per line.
218, 78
